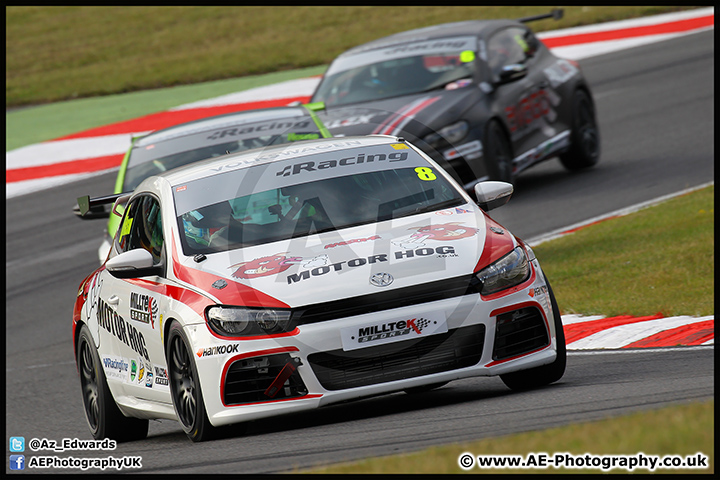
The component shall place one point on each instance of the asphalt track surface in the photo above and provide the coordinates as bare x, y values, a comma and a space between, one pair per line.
655, 108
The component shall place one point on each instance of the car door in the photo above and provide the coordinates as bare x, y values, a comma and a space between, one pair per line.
526, 104
141, 301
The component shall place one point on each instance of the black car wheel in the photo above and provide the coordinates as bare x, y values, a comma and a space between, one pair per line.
497, 153
102, 413
185, 388
584, 149
544, 374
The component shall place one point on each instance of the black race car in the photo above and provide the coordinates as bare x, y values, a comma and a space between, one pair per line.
485, 99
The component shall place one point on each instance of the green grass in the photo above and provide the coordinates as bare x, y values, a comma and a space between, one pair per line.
677, 430
49, 121
61, 53
658, 260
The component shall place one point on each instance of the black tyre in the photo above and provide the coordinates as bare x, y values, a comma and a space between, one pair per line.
544, 374
185, 388
424, 388
497, 153
101, 412
584, 149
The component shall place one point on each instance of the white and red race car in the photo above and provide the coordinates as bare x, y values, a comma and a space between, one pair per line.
292, 277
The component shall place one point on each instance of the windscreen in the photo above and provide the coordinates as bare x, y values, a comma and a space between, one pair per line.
299, 197
398, 70
212, 139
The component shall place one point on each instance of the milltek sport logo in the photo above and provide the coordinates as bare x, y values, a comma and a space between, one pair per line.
379, 333
143, 308
392, 329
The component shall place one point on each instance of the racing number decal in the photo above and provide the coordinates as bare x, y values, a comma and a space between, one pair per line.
425, 173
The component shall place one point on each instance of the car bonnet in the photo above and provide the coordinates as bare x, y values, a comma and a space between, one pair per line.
413, 116
319, 268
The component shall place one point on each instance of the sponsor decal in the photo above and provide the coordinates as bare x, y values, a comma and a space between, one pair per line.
274, 264
311, 166
143, 308
531, 110
350, 121
218, 350
93, 296
336, 267
161, 376
123, 330
441, 232
469, 150
560, 72
378, 333
288, 153
429, 46
266, 127
459, 84
141, 370
361, 261
445, 251
116, 367
354, 240
538, 291
453, 211
149, 379
133, 370
543, 150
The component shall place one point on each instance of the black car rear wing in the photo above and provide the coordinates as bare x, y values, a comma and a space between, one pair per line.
556, 14
90, 208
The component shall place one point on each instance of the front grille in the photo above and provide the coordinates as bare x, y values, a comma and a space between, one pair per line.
455, 349
375, 302
247, 380
520, 331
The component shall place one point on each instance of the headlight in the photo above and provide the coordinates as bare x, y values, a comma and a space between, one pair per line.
450, 134
241, 321
510, 270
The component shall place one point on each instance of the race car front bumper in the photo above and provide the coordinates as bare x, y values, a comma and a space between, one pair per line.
319, 365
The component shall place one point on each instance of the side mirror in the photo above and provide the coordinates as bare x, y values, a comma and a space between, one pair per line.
133, 264
512, 72
492, 195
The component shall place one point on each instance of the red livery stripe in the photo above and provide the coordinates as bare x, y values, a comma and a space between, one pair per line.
234, 293
496, 245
